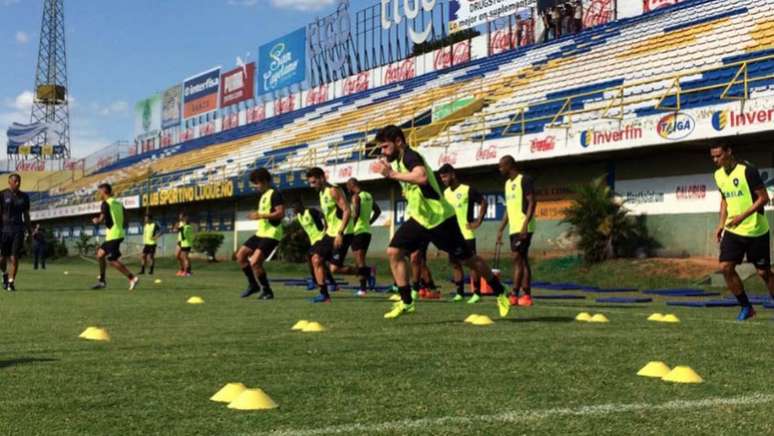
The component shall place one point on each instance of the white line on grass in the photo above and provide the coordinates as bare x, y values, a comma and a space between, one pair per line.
522, 416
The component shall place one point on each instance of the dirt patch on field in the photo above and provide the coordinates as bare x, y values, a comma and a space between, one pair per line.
693, 268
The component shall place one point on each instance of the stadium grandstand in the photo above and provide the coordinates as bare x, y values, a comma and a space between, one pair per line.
636, 99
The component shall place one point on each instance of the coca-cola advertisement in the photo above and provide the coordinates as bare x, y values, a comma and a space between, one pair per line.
447, 158
230, 121
256, 114
543, 144
317, 95
284, 105
651, 5
187, 134
166, 139
207, 128
400, 71
488, 153
509, 38
456, 54
357, 83
31, 165
596, 12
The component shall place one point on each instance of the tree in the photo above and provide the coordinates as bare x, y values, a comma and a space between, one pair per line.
208, 243
84, 245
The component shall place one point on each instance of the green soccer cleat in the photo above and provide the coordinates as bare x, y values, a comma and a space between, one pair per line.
398, 309
414, 295
457, 298
503, 305
474, 299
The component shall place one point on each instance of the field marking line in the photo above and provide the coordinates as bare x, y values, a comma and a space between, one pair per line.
523, 416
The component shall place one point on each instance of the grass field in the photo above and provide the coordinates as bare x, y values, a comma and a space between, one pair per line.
536, 372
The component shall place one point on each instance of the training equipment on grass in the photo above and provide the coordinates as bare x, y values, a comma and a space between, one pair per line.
599, 318
657, 317
228, 393
253, 399
709, 303
609, 290
583, 317
157, 281
195, 300
655, 369
313, 327
300, 325
769, 305
625, 300
683, 374
482, 320
95, 334
670, 318
680, 292
558, 297
67, 273
471, 318
87, 332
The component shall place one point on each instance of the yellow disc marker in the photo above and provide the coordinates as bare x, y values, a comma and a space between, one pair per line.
228, 393
253, 399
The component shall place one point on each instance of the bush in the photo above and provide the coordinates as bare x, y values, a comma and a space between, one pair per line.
55, 248
602, 225
294, 245
84, 245
208, 243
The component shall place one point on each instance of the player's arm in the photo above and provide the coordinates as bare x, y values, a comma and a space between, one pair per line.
157, 232
531, 206
503, 225
417, 175
723, 217
376, 212
346, 212
26, 217
99, 219
482, 206
277, 214
355, 208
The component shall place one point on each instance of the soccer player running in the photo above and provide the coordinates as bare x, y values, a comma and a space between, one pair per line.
431, 218
313, 224
253, 253
151, 232
112, 215
365, 212
520, 206
743, 230
463, 199
15, 206
185, 237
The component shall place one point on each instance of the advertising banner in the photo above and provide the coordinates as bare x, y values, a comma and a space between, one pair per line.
132, 202
147, 117
464, 14
282, 62
171, 107
650, 5
200, 93
237, 85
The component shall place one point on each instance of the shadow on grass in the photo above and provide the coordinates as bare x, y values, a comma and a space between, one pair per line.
24, 360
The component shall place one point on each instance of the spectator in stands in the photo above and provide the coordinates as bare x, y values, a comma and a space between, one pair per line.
556, 22
548, 28
567, 14
39, 246
578, 16
518, 31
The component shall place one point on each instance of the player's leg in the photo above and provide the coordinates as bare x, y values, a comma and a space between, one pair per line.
243, 259
360, 245
256, 262
427, 280
5, 253
143, 259
526, 281
733, 248
14, 267
417, 260
319, 267
339, 257
35, 255
179, 257
458, 276
113, 255
759, 255
102, 262
152, 258
409, 238
187, 262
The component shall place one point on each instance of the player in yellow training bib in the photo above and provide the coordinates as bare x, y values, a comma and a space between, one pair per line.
185, 236
112, 215
365, 212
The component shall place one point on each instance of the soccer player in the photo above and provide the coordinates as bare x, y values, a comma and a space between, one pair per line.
431, 218
339, 227
313, 224
185, 237
151, 232
422, 284
15, 206
743, 230
39, 247
520, 204
252, 255
365, 212
463, 199
112, 215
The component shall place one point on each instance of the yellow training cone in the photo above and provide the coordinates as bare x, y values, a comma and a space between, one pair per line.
228, 393
682, 374
583, 317
654, 369
472, 317
482, 320
253, 399
658, 317
88, 332
300, 325
670, 318
67, 273
195, 300
97, 334
599, 318
395, 298
313, 327
157, 281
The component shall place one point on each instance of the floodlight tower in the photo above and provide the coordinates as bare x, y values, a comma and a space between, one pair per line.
51, 103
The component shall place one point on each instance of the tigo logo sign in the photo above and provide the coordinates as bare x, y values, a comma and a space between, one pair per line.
723, 119
676, 126
593, 137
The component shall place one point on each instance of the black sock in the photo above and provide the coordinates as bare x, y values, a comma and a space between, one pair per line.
405, 294
460, 287
477, 289
515, 291
431, 285
527, 292
364, 273
153, 265
131, 276
142, 269
264, 281
102, 278
415, 286
324, 291
248, 270
329, 277
743, 300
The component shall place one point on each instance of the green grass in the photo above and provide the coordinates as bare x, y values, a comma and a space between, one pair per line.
166, 358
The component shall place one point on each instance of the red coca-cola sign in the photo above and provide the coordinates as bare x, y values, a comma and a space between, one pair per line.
457, 54
542, 145
447, 158
207, 129
230, 121
284, 105
166, 139
31, 165
486, 153
356, 83
400, 71
186, 134
650, 5
317, 95
345, 172
255, 114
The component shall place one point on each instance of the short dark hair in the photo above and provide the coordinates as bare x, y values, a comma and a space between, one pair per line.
105, 187
509, 160
260, 175
15, 175
354, 181
390, 133
316, 172
725, 147
149, 216
446, 169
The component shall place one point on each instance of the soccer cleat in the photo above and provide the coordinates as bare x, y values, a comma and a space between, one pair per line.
525, 300
187, 274
513, 299
458, 298
266, 296
361, 293
400, 308
249, 291
179, 273
474, 299
99, 285
746, 313
321, 299
142, 272
133, 283
414, 295
11, 287
503, 305
434, 295
5, 281
422, 293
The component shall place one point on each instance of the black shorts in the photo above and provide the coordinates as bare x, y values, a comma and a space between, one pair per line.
266, 245
112, 249
184, 249
333, 255
519, 245
447, 236
149, 249
361, 242
734, 248
471, 243
322, 248
11, 244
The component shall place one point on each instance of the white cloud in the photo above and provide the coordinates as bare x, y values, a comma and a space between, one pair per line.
22, 102
302, 5
22, 37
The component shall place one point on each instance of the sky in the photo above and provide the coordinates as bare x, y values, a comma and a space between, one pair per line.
121, 51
